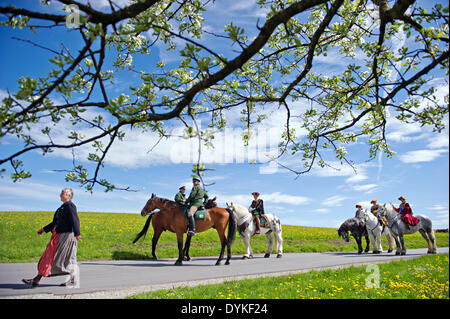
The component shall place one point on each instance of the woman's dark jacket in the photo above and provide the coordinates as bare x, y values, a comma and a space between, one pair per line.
66, 220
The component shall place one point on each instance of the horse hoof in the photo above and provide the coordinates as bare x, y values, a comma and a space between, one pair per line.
227, 262
403, 253
218, 263
178, 263
187, 258
279, 255
266, 255
245, 257
397, 253
390, 251
154, 258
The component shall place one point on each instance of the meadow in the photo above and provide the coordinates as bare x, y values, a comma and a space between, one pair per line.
425, 277
109, 236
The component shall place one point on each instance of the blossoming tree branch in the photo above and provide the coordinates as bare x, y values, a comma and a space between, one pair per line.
269, 66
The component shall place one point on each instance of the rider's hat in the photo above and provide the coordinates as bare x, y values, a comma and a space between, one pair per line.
358, 206
195, 179
255, 193
373, 201
401, 198
182, 187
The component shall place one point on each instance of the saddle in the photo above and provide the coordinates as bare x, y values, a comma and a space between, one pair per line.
200, 214
263, 221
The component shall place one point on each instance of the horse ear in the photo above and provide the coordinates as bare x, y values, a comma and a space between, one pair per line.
228, 205
153, 195
214, 198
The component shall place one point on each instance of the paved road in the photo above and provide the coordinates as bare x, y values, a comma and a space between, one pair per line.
117, 279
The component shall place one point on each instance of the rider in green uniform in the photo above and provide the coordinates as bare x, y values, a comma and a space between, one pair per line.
180, 198
196, 199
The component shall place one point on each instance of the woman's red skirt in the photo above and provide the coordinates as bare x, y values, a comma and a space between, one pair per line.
46, 261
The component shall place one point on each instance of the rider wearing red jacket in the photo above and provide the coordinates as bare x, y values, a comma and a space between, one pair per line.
406, 213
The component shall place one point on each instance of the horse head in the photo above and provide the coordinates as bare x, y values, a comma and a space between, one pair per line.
364, 215
382, 210
343, 232
149, 206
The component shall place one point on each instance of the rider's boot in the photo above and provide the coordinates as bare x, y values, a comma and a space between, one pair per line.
191, 226
258, 224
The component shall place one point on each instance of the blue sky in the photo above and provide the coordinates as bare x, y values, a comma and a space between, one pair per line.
324, 197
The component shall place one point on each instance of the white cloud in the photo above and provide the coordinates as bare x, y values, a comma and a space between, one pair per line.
365, 188
272, 198
356, 178
402, 132
48, 196
334, 201
277, 197
420, 156
439, 141
321, 210
437, 207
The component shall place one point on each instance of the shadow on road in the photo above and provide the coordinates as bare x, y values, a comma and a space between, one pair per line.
22, 286
355, 254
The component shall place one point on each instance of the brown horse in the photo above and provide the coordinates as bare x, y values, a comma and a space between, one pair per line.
170, 217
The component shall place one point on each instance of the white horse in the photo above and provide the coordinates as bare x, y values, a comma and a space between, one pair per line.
247, 227
375, 230
398, 228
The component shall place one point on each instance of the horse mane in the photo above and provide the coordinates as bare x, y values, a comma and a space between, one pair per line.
240, 211
167, 201
346, 225
389, 210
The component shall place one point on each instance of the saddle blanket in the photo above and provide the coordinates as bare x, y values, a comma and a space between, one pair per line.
264, 222
199, 214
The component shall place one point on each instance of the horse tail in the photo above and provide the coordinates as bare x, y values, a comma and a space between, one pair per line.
231, 226
144, 230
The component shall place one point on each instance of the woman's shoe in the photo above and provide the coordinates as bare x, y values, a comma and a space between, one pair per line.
30, 282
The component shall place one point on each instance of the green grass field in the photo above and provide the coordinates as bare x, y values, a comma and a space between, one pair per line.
109, 236
425, 277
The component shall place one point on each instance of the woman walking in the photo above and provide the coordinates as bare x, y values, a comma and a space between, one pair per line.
60, 256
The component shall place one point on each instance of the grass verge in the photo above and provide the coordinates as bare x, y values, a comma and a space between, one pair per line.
424, 277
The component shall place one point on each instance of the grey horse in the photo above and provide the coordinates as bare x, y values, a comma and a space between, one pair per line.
398, 228
357, 229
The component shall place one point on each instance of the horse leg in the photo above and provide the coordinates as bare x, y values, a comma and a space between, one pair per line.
398, 247
278, 239
187, 245
390, 240
367, 244
380, 247
358, 241
179, 261
246, 238
432, 238
228, 242
372, 241
223, 241
378, 237
155, 239
269, 246
402, 241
